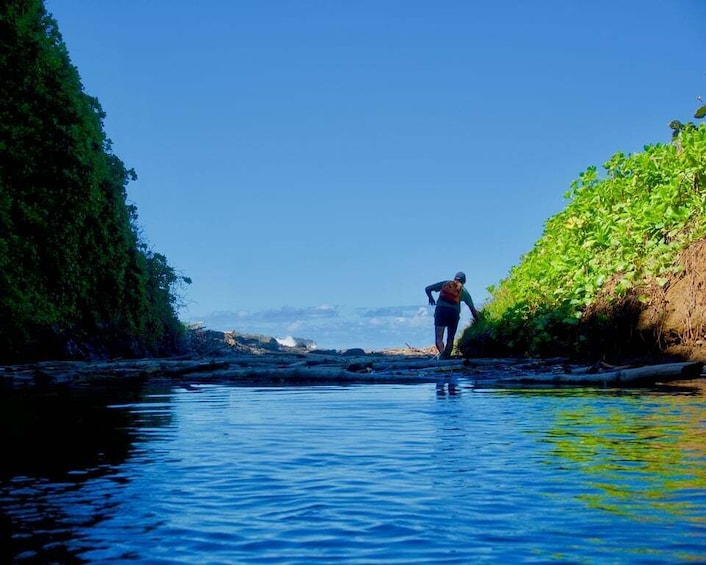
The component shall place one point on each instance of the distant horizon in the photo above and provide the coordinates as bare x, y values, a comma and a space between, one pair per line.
334, 326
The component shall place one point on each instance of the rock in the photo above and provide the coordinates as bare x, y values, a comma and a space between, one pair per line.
353, 352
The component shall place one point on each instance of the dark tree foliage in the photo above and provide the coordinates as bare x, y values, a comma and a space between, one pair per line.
75, 279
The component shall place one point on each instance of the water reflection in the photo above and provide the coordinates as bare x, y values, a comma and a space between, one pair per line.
642, 455
52, 433
54, 442
448, 385
376, 473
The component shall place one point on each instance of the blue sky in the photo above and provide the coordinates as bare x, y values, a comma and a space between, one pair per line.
312, 165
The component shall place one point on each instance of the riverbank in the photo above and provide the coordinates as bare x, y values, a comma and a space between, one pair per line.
228, 357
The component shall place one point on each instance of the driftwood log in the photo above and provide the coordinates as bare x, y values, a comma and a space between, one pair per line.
635, 376
332, 368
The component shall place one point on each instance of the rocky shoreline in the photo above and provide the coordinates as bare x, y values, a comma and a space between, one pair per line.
229, 357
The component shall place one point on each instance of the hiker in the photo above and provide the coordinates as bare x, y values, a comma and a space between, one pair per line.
448, 310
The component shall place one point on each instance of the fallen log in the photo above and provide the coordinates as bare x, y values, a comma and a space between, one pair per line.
416, 364
650, 374
304, 375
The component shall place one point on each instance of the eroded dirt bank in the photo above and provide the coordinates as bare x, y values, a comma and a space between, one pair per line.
658, 321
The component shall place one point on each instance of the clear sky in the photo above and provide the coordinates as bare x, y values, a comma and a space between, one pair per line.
313, 164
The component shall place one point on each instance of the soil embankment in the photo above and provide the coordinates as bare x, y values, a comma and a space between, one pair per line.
656, 321
677, 316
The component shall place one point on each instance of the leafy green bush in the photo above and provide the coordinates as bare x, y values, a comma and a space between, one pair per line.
620, 232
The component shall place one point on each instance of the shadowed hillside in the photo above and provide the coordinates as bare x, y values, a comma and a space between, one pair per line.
75, 279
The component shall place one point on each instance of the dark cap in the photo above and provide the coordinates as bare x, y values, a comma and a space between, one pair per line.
461, 277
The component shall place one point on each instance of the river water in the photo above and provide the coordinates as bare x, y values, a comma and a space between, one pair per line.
219, 474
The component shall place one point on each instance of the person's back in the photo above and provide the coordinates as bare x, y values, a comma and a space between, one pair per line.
450, 292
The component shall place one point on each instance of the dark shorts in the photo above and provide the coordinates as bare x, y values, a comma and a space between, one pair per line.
446, 317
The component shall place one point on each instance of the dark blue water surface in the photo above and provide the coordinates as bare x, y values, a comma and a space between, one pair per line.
358, 474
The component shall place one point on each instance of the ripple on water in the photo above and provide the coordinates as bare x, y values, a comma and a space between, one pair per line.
383, 473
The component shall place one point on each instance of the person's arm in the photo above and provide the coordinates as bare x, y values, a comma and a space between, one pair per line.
436, 287
469, 302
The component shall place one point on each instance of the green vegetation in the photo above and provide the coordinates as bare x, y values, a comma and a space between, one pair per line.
601, 258
75, 279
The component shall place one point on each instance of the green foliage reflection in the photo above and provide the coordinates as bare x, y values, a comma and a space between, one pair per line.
642, 462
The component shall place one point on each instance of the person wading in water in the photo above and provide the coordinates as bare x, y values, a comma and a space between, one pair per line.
448, 310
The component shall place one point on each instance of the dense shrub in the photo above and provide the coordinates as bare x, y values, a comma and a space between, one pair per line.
621, 233
74, 276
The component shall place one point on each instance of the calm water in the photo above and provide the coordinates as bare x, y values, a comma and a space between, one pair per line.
359, 474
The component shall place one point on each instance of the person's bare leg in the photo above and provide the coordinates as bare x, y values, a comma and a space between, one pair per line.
440, 339
449, 343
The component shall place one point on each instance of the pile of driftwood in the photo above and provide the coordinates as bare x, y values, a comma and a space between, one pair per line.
354, 366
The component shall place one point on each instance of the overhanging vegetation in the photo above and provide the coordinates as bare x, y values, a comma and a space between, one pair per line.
599, 260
